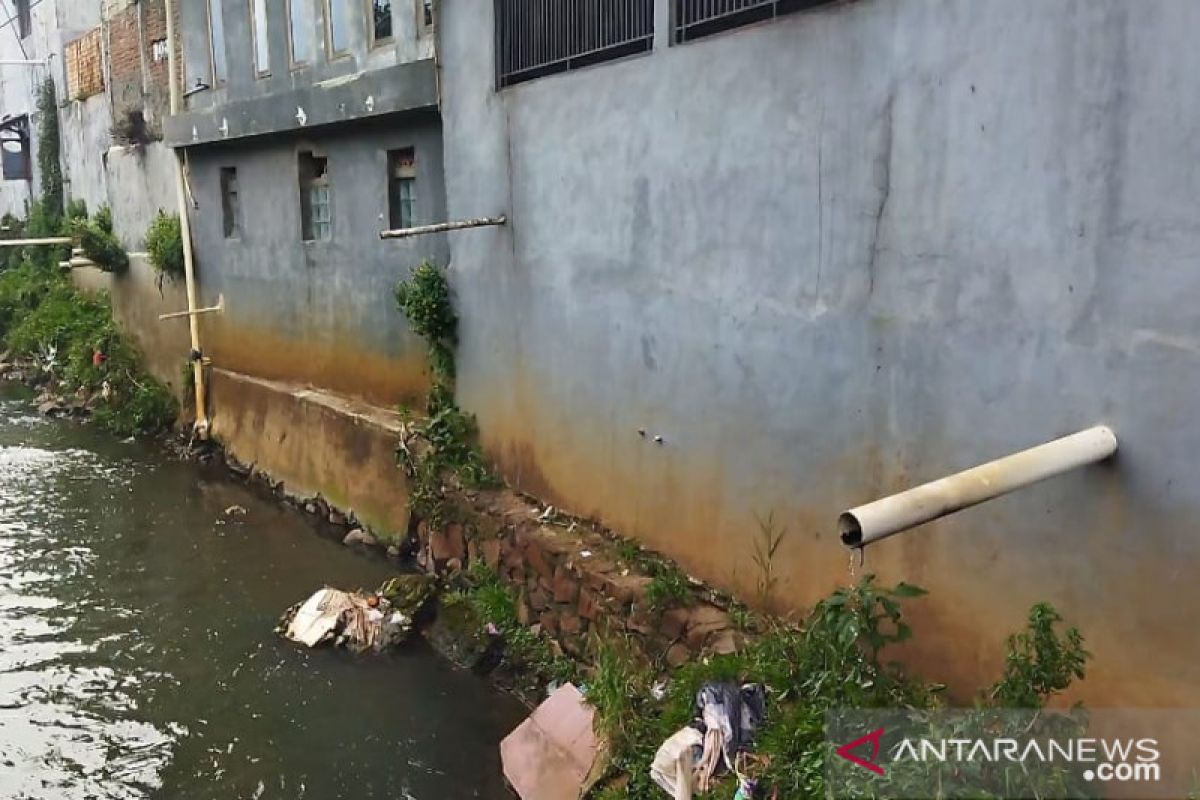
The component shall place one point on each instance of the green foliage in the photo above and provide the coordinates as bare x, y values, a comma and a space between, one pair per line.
76, 209
425, 300
49, 145
44, 318
164, 242
449, 433
1039, 662
668, 587
530, 657
835, 659
99, 243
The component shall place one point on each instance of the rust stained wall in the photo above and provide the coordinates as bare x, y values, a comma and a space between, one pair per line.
888, 241
316, 444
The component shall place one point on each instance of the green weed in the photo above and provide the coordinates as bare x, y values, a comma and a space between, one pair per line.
164, 242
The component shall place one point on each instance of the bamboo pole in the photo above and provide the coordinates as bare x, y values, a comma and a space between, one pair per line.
36, 242
443, 227
189, 268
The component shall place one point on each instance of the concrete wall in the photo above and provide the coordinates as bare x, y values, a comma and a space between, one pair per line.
324, 312
137, 300
836, 254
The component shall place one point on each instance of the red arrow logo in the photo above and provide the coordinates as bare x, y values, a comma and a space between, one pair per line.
845, 751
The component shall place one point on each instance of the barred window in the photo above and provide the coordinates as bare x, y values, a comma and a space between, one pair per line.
535, 38
697, 18
316, 212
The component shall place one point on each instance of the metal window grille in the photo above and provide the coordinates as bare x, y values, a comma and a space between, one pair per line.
322, 218
697, 18
541, 37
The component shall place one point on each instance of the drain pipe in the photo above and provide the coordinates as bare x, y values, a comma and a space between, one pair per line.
883, 518
189, 268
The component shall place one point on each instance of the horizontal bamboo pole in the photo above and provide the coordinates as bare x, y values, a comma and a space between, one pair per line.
443, 227
34, 242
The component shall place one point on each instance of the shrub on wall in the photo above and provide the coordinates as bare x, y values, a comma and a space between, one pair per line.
164, 242
98, 242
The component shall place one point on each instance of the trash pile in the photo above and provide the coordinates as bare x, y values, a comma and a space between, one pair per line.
359, 621
715, 743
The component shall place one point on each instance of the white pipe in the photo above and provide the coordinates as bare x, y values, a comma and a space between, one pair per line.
878, 520
185, 230
22, 62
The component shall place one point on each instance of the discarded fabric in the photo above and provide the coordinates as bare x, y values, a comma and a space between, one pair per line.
727, 717
346, 619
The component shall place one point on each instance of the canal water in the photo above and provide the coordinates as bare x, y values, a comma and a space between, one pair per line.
137, 658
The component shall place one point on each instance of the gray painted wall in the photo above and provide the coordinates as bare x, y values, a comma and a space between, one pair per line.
411, 42
317, 312
836, 254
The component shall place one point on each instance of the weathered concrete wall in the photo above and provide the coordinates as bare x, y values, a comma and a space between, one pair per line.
315, 443
837, 254
322, 312
137, 301
141, 182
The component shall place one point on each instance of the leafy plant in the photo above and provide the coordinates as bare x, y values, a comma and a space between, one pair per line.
164, 242
98, 242
49, 144
1039, 662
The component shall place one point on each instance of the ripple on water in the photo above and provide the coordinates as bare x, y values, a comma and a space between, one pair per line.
68, 726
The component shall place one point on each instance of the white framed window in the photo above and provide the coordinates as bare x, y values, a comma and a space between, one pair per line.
316, 198
402, 188
261, 38
337, 26
216, 42
300, 27
382, 22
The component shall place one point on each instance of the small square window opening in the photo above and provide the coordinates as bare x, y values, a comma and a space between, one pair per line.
381, 23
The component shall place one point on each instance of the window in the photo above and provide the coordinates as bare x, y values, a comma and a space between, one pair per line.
316, 218
262, 39
425, 10
231, 209
381, 25
337, 12
24, 22
402, 189
536, 39
300, 25
697, 18
14, 150
216, 35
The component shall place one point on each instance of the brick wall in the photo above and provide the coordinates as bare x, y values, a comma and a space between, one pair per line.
138, 64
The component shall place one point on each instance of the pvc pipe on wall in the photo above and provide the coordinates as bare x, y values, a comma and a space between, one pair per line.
891, 515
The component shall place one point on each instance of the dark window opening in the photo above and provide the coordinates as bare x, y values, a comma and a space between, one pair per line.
231, 203
381, 30
427, 13
695, 19
402, 189
24, 20
316, 218
534, 39
15, 161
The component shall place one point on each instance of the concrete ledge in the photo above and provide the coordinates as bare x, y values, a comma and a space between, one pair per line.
316, 443
404, 87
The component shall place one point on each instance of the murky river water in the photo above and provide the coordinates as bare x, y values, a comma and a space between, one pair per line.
137, 658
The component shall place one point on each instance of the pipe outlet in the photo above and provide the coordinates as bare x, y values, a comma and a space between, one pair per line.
891, 515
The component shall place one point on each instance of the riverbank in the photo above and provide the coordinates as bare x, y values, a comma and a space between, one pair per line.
567, 599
